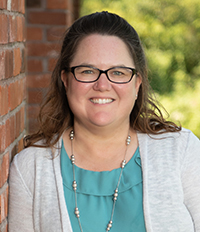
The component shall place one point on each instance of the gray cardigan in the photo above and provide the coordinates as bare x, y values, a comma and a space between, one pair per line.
171, 186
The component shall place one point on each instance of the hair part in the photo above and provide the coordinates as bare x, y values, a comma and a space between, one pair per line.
55, 114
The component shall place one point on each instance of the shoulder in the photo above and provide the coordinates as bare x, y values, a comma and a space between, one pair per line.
33, 164
32, 158
38, 152
177, 146
184, 137
30, 155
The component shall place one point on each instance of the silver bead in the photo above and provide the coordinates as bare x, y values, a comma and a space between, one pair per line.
123, 163
77, 213
109, 226
73, 159
128, 140
115, 194
74, 185
71, 134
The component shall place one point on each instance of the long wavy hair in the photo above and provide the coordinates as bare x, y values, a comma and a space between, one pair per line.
55, 114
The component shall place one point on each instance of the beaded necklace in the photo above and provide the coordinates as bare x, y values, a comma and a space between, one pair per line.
74, 183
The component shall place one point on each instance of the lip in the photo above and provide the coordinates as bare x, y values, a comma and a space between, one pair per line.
101, 101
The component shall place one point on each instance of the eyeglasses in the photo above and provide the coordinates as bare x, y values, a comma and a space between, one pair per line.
88, 74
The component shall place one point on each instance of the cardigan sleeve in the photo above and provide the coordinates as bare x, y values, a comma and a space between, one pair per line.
20, 201
191, 179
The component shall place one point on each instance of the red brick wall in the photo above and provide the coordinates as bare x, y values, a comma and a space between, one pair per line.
12, 92
46, 22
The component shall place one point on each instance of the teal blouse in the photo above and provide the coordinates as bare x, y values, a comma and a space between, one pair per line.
95, 193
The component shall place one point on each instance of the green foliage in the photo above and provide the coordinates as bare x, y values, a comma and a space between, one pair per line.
184, 106
170, 33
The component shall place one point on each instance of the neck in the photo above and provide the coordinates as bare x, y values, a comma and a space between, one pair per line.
101, 135
100, 150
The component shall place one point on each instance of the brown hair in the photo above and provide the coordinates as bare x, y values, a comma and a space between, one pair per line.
55, 115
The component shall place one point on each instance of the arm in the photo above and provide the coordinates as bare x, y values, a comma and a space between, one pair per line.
191, 179
20, 201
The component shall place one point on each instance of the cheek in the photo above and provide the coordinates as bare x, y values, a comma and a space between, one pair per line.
127, 91
77, 91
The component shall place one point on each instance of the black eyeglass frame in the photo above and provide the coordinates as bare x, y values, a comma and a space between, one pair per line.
134, 72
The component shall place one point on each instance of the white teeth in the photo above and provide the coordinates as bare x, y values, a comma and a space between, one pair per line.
101, 101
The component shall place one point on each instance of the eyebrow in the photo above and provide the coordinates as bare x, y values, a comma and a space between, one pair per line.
92, 65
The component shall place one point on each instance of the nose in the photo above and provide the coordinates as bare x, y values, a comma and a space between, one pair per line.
102, 84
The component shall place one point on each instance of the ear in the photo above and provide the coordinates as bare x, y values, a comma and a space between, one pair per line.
138, 82
64, 78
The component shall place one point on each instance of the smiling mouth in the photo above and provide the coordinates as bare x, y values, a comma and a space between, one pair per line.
101, 100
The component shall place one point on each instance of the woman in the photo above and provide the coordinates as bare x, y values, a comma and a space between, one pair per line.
104, 157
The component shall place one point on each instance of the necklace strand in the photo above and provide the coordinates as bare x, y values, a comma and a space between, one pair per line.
74, 183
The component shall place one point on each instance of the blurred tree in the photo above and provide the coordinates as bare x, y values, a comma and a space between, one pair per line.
170, 33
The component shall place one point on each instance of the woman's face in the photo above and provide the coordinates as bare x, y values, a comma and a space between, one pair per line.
101, 103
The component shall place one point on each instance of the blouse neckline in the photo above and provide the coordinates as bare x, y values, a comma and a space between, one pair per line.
101, 183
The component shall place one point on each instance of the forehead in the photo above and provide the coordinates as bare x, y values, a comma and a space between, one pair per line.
102, 49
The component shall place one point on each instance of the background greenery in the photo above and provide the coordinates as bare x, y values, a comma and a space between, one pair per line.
170, 33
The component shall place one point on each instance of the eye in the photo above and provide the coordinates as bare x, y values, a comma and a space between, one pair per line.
87, 71
117, 73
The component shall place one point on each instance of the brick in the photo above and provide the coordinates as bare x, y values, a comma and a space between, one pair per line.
33, 111
34, 33
70, 5
17, 61
51, 64
3, 4
58, 4
18, 120
55, 33
43, 49
70, 18
4, 169
15, 5
4, 106
8, 130
13, 28
33, 125
15, 94
4, 29
18, 5
22, 122
12, 128
17, 28
5, 139
22, 89
20, 145
23, 56
22, 6
47, 18
4, 205
35, 96
38, 80
8, 64
2, 138
34, 65
20, 29
2, 64
35, 3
